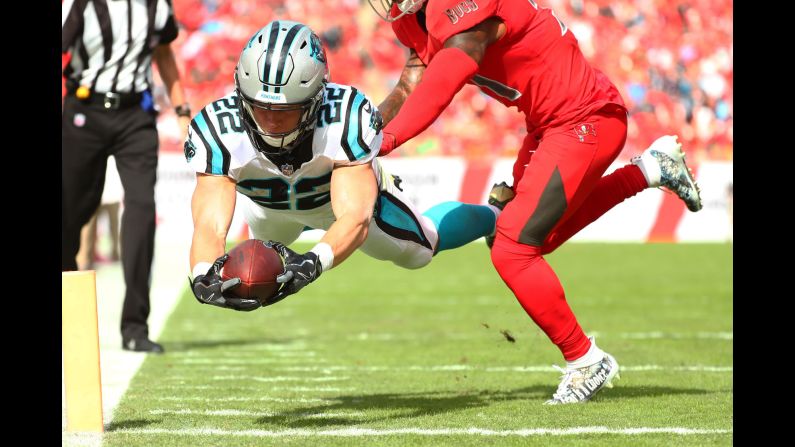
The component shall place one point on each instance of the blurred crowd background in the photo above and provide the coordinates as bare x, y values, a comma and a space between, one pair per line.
672, 60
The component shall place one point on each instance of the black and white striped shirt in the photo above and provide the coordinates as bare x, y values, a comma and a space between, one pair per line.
111, 42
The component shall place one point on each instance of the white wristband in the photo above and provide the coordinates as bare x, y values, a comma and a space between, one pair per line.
325, 254
201, 269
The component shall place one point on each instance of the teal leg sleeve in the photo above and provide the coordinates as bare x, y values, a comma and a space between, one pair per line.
460, 223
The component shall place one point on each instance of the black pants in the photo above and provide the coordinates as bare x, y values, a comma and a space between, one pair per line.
91, 133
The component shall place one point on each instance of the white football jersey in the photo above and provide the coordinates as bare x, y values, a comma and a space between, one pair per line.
346, 134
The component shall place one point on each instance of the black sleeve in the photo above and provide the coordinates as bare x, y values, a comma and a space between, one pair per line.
73, 25
170, 31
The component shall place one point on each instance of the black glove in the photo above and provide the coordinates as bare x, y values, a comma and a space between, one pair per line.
299, 270
211, 289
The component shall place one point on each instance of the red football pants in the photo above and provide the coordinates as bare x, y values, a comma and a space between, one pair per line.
560, 191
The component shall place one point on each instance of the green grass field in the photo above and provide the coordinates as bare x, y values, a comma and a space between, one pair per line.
376, 355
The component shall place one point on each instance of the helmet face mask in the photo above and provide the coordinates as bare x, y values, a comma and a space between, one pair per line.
283, 67
384, 7
278, 143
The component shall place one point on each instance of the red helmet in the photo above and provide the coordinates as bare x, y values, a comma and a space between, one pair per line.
384, 8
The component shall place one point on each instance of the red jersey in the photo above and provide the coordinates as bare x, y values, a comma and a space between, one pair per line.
536, 66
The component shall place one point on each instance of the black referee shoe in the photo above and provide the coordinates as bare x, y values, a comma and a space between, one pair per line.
142, 345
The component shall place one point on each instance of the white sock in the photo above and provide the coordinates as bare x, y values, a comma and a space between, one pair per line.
650, 168
594, 355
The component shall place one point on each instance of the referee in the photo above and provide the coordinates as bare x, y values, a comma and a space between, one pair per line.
109, 110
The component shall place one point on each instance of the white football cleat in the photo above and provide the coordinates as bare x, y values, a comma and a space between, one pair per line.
581, 384
663, 163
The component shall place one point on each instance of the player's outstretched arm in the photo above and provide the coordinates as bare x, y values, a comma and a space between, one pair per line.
409, 78
447, 73
212, 206
353, 194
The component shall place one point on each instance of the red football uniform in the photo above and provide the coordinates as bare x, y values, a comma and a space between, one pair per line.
576, 124
536, 66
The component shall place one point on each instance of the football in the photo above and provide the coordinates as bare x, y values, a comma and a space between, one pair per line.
257, 266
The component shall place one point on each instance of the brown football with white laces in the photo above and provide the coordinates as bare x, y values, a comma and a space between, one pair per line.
257, 266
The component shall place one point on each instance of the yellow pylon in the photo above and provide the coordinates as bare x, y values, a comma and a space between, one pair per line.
82, 377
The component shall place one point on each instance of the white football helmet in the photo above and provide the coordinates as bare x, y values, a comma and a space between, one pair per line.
384, 7
283, 66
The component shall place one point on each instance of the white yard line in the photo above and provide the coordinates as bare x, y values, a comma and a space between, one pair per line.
287, 379
233, 412
632, 368
241, 361
294, 354
657, 335
360, 432
654, 335
312, 389
244, 378
240, 399
529, 368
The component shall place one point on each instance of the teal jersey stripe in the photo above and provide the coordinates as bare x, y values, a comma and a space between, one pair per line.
355, 128
208, 137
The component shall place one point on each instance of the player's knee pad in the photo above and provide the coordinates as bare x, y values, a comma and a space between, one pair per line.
386, 244
414, 258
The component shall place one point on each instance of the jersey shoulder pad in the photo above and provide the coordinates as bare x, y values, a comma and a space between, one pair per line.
446, 18
349, 126
213, 133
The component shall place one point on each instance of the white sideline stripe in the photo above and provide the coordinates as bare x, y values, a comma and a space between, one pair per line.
229, 412
356, 432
